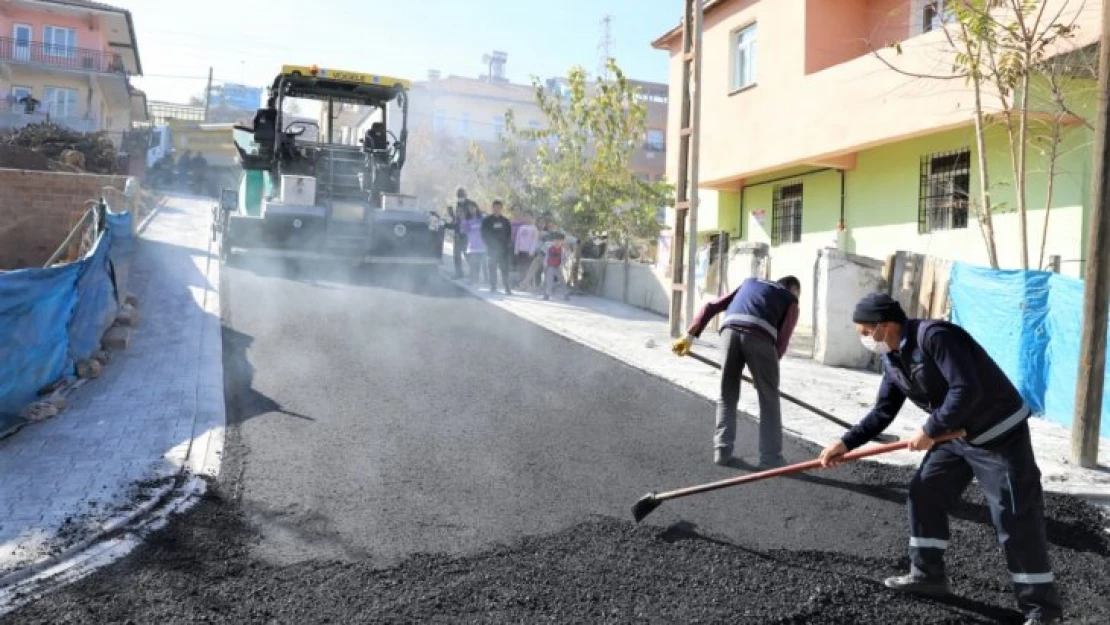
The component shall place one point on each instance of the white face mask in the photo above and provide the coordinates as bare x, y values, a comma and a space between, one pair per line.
874, 346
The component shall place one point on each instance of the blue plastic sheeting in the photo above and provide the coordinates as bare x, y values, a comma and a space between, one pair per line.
1005, 311
35, 308
52, 318
1065, 324
1030, 323
97, 302
120, 227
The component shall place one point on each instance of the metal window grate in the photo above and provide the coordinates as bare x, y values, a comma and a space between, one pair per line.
786, 214
945, 184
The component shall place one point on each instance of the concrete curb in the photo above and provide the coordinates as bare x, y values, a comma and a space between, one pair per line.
106, 529
202, 457
87, 557
146, 222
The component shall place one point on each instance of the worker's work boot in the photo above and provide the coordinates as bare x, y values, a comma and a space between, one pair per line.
1036, 620
722, 457
918, 585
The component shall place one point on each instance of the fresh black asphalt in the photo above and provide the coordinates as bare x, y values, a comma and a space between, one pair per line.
403, 453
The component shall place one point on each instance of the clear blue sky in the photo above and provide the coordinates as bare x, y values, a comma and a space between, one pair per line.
248, 40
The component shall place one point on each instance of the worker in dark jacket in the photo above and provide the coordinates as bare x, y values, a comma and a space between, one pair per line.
497, 232
942, 369
759, 320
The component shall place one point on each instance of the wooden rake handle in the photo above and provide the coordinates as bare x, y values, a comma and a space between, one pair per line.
863, 452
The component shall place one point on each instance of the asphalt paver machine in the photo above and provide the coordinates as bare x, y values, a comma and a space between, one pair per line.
304, 195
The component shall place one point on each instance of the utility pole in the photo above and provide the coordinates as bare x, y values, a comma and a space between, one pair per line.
208, 94
684, 253
1096, 286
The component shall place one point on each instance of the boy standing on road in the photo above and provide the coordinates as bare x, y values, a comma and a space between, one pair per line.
462, 211
497, 232
553, 265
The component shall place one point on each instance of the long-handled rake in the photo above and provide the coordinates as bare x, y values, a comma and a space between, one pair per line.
882, 438
648, 503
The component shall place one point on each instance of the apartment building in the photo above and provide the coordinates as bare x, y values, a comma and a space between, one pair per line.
816, 133
69, 62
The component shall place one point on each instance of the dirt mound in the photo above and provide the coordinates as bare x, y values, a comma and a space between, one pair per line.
15, 157
52, 142
603, 570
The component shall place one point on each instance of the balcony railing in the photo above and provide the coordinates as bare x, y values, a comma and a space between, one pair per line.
63, 57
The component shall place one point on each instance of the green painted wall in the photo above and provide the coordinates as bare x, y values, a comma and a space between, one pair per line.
882, 196
882, 192
820, 201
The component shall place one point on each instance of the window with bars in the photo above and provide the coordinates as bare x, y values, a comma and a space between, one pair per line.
786, 214
945, 184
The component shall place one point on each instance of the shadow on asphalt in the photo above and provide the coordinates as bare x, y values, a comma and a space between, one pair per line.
242, 399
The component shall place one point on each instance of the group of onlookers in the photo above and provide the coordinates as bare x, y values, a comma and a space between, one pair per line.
525, 250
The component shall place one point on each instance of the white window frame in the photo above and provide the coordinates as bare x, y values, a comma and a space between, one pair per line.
464, 123
22, 50
439, 121
744, 45
68, 108
498, 125
50, 45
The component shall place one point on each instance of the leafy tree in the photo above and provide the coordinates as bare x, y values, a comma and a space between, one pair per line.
582, 167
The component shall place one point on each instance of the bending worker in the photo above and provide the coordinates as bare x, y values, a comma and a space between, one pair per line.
759, 319
942, 369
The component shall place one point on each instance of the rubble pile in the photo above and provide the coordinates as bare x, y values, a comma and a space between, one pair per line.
49, 147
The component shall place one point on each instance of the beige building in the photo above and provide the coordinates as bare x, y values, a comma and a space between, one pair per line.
69, 62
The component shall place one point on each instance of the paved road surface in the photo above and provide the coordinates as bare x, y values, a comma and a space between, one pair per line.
373, 422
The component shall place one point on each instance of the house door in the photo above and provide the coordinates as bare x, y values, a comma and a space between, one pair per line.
21, 41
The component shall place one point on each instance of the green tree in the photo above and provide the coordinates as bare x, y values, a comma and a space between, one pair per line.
582, 169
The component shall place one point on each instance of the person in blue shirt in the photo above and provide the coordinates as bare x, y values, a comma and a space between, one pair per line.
945, 372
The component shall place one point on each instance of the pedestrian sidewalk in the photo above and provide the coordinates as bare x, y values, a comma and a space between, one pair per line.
642, 340
155, 411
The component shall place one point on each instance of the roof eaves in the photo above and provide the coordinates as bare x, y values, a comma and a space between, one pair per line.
662, 42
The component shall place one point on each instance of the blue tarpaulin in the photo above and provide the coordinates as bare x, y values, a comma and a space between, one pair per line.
35, 308
1029, 322
97, 304
54, 317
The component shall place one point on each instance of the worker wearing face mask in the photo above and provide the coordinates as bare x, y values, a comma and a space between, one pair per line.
945, 372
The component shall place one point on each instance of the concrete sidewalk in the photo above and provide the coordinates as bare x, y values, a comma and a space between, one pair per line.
642, 340
156, 411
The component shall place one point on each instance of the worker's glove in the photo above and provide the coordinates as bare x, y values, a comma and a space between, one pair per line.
682, 346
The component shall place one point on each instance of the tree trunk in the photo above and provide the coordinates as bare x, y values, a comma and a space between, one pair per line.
1020, 169
986, 220
1054, 153
627, 270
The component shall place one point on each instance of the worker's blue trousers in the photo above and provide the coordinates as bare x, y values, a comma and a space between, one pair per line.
1011, 482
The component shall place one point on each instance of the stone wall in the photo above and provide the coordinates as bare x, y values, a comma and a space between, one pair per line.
38, 209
